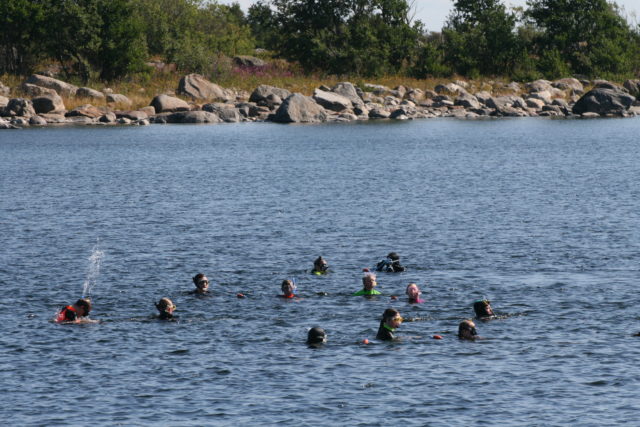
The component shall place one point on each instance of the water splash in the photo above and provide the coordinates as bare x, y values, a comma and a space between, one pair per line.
93, 270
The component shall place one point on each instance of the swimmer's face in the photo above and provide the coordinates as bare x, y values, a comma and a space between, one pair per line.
202, 284
396, 321
287, 288
413, 292
488, 310
468, 330
369, 282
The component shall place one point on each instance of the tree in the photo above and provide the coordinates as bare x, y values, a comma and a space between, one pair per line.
364, 37
480, 38
590, 35
21, 35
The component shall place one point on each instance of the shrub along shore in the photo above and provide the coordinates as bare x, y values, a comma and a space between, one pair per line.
41, 100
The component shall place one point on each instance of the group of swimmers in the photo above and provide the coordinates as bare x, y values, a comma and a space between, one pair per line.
390, 322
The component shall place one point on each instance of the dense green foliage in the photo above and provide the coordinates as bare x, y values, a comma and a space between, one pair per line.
110, 39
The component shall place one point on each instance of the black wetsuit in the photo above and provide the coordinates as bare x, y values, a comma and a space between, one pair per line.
389, 267
385, 333
165, 316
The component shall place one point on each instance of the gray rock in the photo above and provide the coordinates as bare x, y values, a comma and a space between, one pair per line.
379, 113
604, 84
538, 86
544, 96
603, 101
63, 88
196, 86
391, 101
361, 110
48, 104
298, 108
535, 103
37, 121
19, 107
116, 98
134, 115
7, 125
467, 101
513, 87
169, 104
227, 112
261, 93
450, 89
332, 101
123, 121
108, 118
590, 115
571, 84
20, 121
401, 113
86, 110
86, 92
54, 118
3, 102
32, 90
248, 61
633, 86
376, 89
483, 97
197, 117
350, 92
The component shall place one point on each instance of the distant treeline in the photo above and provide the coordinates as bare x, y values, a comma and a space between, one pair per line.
110, 39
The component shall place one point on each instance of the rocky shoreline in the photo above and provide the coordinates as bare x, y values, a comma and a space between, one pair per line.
42, 103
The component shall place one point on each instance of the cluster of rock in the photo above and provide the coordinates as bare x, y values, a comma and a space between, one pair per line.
43, 103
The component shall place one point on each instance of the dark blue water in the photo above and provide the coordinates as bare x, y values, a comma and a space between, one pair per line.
540, 216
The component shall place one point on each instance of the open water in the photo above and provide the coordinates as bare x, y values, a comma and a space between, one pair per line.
540, 216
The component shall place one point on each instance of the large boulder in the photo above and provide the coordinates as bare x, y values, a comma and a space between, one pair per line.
569, 83
63, 88
86, 92
262, 93
603, 101
450, 89
169, 104
19, 107
227, 112
298, 108
48, 104
86, 110
633, 86
467, 100
332, 101
538, 86
193, 117
248, 61
116, 98
32, 90
196, 86
349, 91
501, 102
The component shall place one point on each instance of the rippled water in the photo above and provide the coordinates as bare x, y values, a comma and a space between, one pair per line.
540, 216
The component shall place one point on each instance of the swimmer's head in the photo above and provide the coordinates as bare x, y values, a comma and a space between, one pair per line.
467, 330
201, 282
316, 335
393, 256
165, 305
320, 264
413, 292
369, 281
392, 318
83, 304
288, 287
483, 308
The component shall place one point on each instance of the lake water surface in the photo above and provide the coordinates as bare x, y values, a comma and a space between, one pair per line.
540, 216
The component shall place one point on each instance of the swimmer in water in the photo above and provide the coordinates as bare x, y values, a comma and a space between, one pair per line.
483, 309
166, 307
368, 283
76, 313
391, 264
202, 283
467, 330
288, 289
413, 292
316, 337
320, 266
391, 321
